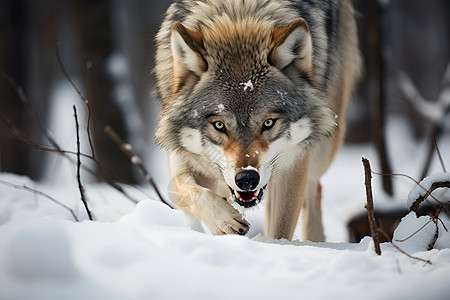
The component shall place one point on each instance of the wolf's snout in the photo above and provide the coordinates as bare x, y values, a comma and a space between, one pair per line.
247, 180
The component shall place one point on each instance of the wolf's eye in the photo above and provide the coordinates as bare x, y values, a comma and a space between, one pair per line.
219, 126
268, 124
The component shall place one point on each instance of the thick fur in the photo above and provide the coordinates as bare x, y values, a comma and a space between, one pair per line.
227, 68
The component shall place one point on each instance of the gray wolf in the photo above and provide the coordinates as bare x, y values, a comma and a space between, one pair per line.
253, 99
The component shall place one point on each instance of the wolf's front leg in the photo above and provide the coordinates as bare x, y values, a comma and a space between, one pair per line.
286, 196
217, 214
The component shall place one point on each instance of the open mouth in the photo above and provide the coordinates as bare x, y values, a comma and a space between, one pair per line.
248, 199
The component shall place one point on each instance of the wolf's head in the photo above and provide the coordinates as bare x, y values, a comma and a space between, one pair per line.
244, 99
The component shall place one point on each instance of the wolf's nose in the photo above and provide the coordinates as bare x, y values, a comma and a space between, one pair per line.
247, 180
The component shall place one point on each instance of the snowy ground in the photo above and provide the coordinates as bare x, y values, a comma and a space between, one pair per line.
149, 252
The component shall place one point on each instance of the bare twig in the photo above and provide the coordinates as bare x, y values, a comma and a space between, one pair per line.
435, 237
439, 153
436, 132
399, 249
54, 145
369, 205
36, 192
416, 182
127, 149
29, 110
17, 88
415, 232
36, 146
396, 174
64, 153
77, 90
86, 103
439, 219
104, 175
80, 186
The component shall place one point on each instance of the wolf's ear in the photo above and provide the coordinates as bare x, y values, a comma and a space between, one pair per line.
188, 53
292, 44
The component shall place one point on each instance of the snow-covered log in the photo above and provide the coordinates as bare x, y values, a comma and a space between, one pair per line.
421, 192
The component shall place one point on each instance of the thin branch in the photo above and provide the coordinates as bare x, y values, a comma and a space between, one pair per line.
396, 174
36, 192
415, 232
64, 153
436, 132
436, 216
415, 181
399, 249
369, 205
439, 152
103, 176
17, 88
86, 103
34, 145
127, 149
29, 109
79, 93
80, 186
435, 237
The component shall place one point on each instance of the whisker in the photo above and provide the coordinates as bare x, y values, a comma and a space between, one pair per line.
221, 167
276, 157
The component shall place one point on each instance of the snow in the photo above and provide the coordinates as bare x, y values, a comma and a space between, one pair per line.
43, 239
150, 251
410, 242
247, 168
247, 85
151, 254
282, 94
136, 160
220, 108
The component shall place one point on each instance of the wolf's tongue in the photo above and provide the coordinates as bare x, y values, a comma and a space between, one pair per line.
246, 196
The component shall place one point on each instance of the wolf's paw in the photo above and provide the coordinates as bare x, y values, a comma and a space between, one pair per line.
227, 221
235, 226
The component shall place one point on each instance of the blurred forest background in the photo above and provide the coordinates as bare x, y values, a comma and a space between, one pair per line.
107, 47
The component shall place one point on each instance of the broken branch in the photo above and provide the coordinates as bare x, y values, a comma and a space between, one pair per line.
369, 205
